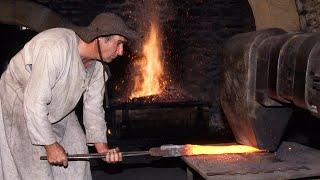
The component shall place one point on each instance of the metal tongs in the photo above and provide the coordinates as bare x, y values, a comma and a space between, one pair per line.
100, 155
163, 151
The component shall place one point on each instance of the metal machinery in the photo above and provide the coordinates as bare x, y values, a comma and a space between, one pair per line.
265, 73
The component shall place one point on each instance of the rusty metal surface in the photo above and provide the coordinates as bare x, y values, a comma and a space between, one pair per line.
262, 72
299, 89
290, 161
313, 80
286, 68
251, 123
265, 72
267, 68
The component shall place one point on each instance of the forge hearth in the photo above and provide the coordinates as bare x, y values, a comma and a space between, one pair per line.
157, 113
168, 95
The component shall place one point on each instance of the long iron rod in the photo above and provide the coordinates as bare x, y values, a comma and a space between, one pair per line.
101, 155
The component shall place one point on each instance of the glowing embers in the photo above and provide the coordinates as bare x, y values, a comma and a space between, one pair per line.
149, 79
217, 149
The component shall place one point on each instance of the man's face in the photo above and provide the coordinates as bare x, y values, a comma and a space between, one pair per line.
111, 47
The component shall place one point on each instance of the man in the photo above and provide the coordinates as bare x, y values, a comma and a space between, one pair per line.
39, 91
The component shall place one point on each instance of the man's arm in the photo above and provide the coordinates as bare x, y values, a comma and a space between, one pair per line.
37, 96
94, 116
93, 111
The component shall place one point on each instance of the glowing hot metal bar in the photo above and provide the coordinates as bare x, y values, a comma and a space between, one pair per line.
228, 149
190, 150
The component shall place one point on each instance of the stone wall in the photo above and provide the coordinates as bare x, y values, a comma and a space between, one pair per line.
275, 14
309, 12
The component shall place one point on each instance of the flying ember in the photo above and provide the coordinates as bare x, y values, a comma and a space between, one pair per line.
150, 68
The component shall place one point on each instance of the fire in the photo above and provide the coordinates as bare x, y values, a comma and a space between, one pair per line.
151, 67
225, 149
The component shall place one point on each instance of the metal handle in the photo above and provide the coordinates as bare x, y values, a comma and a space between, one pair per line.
100, 155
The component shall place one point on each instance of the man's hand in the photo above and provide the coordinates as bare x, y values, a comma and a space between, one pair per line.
56, 154
112, 155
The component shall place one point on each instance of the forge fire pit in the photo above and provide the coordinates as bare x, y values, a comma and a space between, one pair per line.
170, 95
170, 99
290, 161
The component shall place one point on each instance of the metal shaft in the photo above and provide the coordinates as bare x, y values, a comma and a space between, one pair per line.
163, 151
100, 155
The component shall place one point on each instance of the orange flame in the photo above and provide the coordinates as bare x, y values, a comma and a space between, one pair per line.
151, 68
225, 149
